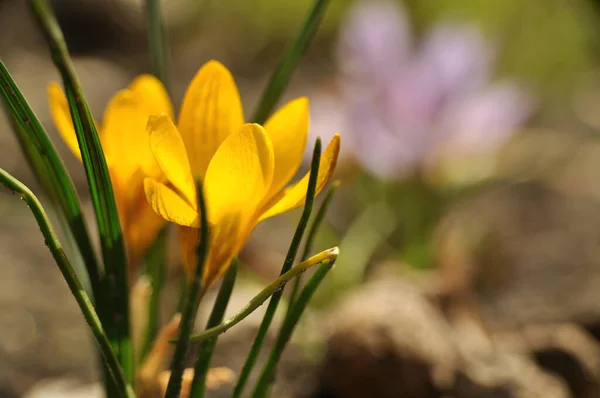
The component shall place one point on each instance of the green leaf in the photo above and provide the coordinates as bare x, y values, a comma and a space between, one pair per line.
124, 388
287, 264
290, 322
196, 291
158, 44
155, 270
50, 171
216, 317
310, 238
283, 72
111, 236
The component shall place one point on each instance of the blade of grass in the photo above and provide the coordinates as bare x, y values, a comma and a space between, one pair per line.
155, 270
111, 236
312, 233
158, 44
283, 72
267, 376
287, 264
50, 171
196, 291
216, 317
276, 286
73, 282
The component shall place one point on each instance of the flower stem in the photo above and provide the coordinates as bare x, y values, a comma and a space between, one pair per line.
73, 282
276, 286
216, 317
283, 72
196, 291
158, 44
155, 270
290, 322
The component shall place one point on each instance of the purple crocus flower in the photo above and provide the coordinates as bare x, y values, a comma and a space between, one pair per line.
403, 105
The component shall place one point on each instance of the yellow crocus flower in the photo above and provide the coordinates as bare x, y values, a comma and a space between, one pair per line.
124, 141
244, 167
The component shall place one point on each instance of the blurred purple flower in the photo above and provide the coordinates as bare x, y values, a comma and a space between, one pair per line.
402, 105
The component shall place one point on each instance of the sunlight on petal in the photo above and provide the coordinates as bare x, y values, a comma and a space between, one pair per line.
123, 132
295, 195
169, 204
152, 95
288, 130
239, 174
169, 151
210, 112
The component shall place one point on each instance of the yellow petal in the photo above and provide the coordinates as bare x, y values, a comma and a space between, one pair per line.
226, 241
210, 112
139, 301
169, 204
157, 359
239, 174
123, 135
188, 240
295, 195
59, 108
236, 182
152, 99
288, 130
152, 95
140, 227
169, 151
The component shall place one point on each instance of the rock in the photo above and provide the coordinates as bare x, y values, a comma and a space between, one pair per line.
516, 251
65, 388
386, 340
524, 257
491, 370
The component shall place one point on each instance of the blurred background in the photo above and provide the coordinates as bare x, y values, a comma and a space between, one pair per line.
468, 217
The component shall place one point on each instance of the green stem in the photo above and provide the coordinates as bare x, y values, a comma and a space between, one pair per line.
283, 72
196, 291
276, 286
216, 317
158, 44
310, 238
155, 270
266, 378
73, 282
287, 264
109, 228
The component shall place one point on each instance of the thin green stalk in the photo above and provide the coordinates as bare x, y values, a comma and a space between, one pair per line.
310, 238
158, 44
276, 286
287, 264
155, 270
111, 237
196, 291
73, 282
283, 72
50, 172
267, 376
216, 317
